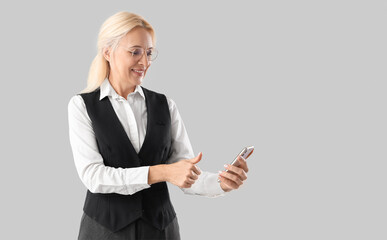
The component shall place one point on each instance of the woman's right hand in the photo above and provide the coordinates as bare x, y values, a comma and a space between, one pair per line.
184, 173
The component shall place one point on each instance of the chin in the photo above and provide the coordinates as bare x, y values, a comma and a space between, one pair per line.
138, 82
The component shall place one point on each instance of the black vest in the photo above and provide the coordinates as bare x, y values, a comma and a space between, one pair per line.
115, 211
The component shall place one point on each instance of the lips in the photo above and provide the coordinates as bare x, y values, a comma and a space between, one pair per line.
138, 72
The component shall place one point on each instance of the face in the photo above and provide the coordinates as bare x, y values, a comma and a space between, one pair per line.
122, 64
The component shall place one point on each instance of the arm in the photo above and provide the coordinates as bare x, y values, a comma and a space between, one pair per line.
206, 184
193, 181
97, 177
182, 174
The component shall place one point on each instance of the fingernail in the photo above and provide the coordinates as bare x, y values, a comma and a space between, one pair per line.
225, 165
220, 172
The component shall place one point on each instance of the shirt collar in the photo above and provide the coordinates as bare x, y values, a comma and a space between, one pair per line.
107, 90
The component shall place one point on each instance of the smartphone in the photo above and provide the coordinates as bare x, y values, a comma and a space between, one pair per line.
245, 153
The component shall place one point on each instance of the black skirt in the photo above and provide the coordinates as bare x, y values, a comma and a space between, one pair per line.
139, 229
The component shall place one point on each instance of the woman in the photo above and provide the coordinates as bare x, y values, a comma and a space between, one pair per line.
128, 141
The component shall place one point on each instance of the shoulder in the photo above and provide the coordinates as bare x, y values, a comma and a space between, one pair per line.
90, 95
152, 92
76, 101
77, 112
76, 105
170, 101
171, 104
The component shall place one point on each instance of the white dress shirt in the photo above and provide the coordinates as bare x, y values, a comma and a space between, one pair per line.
132, 114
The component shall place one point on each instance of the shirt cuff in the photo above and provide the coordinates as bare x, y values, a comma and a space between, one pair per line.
213, 186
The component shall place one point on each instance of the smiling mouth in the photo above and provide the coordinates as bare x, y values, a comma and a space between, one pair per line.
138, 72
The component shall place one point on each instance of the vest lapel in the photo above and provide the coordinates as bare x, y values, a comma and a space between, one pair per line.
149, 122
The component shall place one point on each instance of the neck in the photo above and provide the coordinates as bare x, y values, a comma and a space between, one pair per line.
123, 88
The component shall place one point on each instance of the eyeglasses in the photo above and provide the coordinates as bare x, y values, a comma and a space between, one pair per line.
138, 52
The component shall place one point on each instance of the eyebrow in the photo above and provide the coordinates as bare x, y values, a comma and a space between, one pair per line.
139, 46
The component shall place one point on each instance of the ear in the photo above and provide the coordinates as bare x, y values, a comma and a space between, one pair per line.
106, 53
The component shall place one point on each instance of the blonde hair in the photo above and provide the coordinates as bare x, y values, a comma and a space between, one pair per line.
111, 32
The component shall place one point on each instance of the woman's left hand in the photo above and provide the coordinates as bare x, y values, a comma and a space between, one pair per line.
234, 177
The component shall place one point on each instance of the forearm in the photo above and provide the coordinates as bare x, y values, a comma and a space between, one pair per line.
158, 173
99, 178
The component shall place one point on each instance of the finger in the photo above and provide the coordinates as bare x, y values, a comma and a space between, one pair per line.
196, 170
242, 174
189, 181
194, 176
186, 185
237, 170
243, 163
229, 183
196, 159
232, 177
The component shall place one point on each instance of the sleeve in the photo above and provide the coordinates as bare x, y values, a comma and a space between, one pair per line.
97, 177
207, 184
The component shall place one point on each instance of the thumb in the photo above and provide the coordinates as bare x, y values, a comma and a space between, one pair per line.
196, 159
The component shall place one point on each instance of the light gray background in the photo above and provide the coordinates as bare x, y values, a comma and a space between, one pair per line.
303, 81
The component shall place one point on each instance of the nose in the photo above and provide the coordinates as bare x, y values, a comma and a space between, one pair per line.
144, 60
